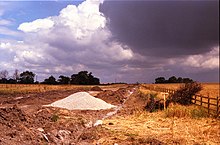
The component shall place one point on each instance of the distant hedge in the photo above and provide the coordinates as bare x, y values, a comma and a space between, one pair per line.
173, 79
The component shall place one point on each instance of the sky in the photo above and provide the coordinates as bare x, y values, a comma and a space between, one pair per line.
122, 41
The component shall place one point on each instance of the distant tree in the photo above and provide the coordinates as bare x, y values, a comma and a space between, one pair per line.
93, 80
96, 81
180, 80
3, 74
73, 79
51, 81
160, 80
37, 82
16, 75
3, 81
172, 79
26, 77
11, 81
63, 80
187, 80
3, 77
80, 79
84, 78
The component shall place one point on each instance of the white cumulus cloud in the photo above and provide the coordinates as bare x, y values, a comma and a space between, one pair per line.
37, 25
76, 39
5, 45
208, 60
199, 62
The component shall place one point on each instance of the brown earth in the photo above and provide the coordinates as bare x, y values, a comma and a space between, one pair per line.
23, 120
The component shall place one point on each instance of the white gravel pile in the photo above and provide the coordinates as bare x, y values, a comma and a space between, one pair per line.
81, 101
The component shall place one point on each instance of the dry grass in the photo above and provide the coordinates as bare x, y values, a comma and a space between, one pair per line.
167, 86
113, 87
185, 130
211, 89
35, 88
191, 111
176, 125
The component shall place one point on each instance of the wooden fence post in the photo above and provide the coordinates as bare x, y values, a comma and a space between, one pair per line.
164, 99
195, 99
217, 109
208, 103
200, 100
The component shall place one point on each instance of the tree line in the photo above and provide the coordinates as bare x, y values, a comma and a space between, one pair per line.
173, 79
28, 77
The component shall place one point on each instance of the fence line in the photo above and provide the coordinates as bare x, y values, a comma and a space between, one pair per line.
207, 102
197, 99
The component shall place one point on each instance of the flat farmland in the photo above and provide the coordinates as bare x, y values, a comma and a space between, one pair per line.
37, 88
211, 89
34, 88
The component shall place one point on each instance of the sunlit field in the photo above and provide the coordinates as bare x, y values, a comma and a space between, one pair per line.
211, 89
37, 88
34, 88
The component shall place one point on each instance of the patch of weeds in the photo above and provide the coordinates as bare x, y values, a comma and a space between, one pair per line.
131, 136
54, 118
81, 121
199, 113
153, 95
177, 111
143, 96
185, 111
150, 141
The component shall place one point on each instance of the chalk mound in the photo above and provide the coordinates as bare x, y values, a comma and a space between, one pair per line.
81, 101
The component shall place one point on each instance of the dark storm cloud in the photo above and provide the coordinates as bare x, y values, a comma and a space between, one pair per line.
164, 28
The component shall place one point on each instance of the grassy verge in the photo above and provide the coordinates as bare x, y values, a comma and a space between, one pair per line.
185, 111
168, 130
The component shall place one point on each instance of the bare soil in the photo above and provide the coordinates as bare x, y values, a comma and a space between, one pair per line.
23, 120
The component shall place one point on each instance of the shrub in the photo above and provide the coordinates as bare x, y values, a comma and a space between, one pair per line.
184, 94
54, 118
153, 103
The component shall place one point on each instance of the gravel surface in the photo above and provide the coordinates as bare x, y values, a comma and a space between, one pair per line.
81, 101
